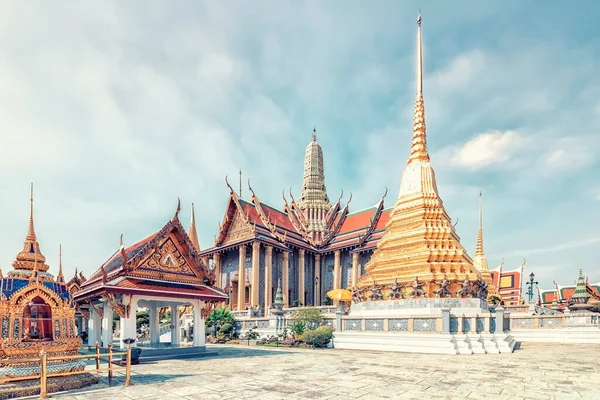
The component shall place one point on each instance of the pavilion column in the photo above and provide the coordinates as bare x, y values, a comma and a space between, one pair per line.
217, 269
301, 277
175, 331
255, 298
285, 277
154, 324
94, 325
107, 325
355, 268
241, 294
128, 325
337, 273
199, 333
317, 279
268, 277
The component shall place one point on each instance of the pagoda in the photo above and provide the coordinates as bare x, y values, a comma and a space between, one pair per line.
37, 312
479, 261
420, 250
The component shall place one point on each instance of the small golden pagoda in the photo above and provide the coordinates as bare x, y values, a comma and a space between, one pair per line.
37, 312
479, 261
420, 253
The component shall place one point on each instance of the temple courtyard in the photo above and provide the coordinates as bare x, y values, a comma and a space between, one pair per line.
534, 371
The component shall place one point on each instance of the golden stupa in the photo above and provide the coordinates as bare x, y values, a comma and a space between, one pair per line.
479, 261
420, 254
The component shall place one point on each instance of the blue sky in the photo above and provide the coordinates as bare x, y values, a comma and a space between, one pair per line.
117, 109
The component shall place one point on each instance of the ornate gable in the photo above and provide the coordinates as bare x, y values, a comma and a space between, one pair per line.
239, 229
168, 260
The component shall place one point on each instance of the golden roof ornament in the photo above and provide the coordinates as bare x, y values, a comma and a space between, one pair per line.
31, 254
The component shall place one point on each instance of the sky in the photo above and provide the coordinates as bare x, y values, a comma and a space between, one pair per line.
114, 110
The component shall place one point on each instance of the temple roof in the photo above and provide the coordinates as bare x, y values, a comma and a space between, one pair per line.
245, 221
165, 262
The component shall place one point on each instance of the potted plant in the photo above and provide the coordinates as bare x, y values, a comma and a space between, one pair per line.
135, 353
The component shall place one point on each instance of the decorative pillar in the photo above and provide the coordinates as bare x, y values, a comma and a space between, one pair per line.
199, 333
268, 277
301, 277
446, 320
93, 328
128, 324
499, 320
337, 274
154, 325
241, 295
255, 298
175, 331
217, 269
317, 282
355, 268
285, 279
107, 322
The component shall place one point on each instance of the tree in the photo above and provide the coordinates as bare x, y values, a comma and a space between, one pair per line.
309, 316
221, 316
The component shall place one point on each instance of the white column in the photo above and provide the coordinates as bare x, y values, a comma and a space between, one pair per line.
154, 324
93, 328
199, 334
128, 325
107, 322
175, 332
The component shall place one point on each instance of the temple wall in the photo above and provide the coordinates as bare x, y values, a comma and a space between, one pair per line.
230, 263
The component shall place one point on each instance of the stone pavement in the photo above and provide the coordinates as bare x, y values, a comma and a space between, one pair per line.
535, 371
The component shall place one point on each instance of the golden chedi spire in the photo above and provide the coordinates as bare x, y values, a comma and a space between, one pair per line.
192, 233
479, 261
420, 240
31, 257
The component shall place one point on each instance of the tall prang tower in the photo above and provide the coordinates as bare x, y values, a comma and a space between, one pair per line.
314, 202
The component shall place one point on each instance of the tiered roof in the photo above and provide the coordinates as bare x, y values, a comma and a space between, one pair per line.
165, 263
246, 221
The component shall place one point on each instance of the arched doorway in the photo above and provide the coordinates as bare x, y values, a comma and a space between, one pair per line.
37, 320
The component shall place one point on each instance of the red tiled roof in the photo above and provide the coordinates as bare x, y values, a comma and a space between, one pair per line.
170, 288
357, 220
116, 259
278, 217
383, 219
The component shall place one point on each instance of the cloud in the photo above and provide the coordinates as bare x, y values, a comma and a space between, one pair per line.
484, 150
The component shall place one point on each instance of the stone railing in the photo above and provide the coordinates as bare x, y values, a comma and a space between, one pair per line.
425, 323
537, 321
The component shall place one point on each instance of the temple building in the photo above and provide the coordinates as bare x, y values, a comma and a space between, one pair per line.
509, 284
162, 270
560, 297
37, 312
314, 245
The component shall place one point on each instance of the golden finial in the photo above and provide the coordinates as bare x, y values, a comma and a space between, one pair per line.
314, 136
60, 270
479, 247
31, 233
418, 150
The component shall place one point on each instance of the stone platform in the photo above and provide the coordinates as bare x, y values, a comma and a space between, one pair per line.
421, 306
425, 343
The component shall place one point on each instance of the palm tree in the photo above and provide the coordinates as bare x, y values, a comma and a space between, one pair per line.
220, 316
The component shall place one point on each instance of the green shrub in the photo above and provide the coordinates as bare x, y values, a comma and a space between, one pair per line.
318, 337
226, 328
310, 317
298, 328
